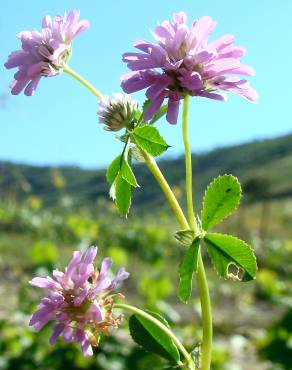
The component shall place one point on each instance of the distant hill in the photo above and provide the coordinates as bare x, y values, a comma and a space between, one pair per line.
263, 167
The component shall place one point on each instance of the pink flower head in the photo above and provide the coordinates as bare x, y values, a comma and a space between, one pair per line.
44, 53
184, 62
80, 300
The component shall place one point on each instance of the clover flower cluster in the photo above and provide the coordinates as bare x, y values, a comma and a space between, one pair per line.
117, 113
44, 53
181, 63
187, 65
80, 300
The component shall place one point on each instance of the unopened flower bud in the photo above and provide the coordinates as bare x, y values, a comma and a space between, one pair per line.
118, 113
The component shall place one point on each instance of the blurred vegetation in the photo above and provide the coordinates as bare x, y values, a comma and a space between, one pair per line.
47, 213
266, 162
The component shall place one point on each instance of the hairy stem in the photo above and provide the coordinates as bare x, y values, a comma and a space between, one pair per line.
90, 87
201, 274
176, 341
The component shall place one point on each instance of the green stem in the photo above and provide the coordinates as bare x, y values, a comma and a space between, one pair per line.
154, 169
201, 274
188, 160
164, 328
90, 87
206, 310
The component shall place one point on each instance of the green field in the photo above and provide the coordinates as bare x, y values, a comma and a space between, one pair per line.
46, 213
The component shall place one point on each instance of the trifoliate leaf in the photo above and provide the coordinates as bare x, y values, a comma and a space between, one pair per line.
149, 139
123, 195
232, 258
113, 169
152, 338
185, 237
187, 268
221, 199
127, 174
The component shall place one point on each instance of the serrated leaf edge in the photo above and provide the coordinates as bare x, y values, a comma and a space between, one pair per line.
211, 183
235, 237
165, 145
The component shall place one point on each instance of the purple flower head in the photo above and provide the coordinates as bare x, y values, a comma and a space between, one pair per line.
80, 300
184, 62
44, 53
117, 113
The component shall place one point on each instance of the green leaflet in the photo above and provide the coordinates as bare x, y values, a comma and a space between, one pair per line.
113, 169
127, 174
152, 338
123, 195
122, 178
221, 199
232, 258
149, 139
187, 268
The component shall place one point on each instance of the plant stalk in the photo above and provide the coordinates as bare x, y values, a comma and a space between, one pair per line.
201, 275
206, 309
79, 78
188, 163
154, 169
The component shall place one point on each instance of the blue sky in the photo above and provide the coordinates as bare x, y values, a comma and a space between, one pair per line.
58, 125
